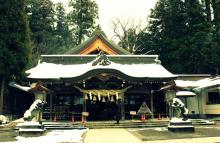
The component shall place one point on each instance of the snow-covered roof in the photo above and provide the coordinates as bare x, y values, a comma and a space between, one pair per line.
23, 88
186, 83
185, 93
207, 83
46, 70
199, 84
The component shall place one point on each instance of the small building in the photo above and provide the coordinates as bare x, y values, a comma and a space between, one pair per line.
200, 94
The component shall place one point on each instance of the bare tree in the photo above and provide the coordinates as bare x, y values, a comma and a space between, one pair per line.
126, 32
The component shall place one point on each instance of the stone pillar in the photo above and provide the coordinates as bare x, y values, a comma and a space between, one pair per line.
122, 106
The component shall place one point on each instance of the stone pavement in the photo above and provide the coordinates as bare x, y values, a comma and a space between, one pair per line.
110, 136
123, 136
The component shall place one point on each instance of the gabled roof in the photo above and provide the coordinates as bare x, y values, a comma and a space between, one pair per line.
140, 71
99, 34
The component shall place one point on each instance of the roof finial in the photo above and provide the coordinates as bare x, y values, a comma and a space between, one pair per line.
157, 60
101, 59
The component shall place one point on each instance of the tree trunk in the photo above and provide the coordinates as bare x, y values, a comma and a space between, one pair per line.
2, 95
208, 10
216, 10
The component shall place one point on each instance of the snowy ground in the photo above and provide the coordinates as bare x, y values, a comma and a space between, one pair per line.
55, 136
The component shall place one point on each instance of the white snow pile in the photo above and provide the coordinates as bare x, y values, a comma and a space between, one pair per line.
56, 136
3, 119
160, 129
34, 106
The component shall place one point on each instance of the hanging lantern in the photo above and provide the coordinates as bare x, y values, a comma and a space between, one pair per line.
112, 99
103, 99
116, 95
94, 98
119, 96
108, 96
90, 95
86, 97
99, 97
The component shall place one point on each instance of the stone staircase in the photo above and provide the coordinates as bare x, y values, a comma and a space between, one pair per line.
104, 124
122, 124
61, 125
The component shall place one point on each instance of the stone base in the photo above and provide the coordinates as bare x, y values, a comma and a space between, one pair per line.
30, 129
178, 125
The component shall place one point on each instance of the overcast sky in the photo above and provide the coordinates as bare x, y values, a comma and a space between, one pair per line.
137, 10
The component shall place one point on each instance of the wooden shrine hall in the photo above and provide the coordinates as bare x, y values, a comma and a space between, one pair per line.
95, 75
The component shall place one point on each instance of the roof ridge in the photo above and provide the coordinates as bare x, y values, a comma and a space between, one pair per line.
98, 33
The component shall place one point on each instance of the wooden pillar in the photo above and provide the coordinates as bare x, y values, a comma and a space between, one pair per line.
2, 95
122, 106
84, 102
51, 107
15, 104
152, 103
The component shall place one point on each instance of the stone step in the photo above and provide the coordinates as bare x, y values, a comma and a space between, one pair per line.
95, 125
112, 124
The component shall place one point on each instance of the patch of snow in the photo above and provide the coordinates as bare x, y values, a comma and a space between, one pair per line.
23, 88
174, 119
3, 119
142, 129
56, 136
185, 93
28, 123
160, 129
186, 83
131, 130
35, 106
207, 82
199, 84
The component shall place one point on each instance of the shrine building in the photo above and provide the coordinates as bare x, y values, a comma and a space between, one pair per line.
95, 75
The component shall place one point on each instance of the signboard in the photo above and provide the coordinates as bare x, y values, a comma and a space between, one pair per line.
133, 112
85, 113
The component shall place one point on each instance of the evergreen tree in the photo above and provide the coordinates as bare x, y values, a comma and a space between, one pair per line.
14, 42
208, 12
166, 32
179, 31
41, 23
198, 39
63, 35
83, 18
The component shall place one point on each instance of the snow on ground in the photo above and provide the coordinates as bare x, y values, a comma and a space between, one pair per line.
161, 129
55, 136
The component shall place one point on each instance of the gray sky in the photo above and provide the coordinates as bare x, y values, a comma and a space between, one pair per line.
136, 10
